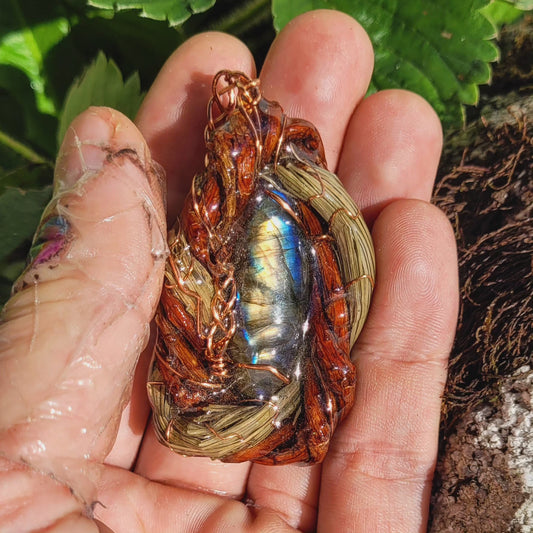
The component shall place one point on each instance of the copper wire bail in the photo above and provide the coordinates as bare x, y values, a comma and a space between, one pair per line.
241, 92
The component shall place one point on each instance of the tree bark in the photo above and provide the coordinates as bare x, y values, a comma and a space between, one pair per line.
484, 475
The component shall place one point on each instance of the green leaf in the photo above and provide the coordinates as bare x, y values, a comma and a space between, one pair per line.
175, 11
134, 43
439, 49
500, 12
20, 212
24, 44
20, 120
524, 5
26, 176
102, 84
9, 272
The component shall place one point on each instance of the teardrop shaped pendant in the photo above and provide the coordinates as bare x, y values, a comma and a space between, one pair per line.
267, 287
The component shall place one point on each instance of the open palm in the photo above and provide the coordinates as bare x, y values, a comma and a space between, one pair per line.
76, 452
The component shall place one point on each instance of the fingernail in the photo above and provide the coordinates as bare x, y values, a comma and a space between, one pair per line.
83, 151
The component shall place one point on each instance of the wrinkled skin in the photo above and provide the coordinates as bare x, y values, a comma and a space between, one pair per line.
71, 337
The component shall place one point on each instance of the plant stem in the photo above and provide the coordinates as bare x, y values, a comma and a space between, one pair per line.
244, 16
25, 151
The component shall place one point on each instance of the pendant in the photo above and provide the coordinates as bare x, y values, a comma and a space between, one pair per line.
267, 286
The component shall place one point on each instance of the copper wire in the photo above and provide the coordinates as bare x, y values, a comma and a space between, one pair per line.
242, 92
183, 287
360, 278
244, 95
167, 366
169, 428
284, 205
280, 141
269, 368
227, 437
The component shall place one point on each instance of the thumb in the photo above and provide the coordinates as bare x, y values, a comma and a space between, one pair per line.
79, 318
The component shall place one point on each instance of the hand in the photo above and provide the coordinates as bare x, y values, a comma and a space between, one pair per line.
72, 335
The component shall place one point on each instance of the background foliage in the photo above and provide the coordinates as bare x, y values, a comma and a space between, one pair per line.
60, 56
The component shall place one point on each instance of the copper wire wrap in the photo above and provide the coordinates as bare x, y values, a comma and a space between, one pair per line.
242, 94
267, 286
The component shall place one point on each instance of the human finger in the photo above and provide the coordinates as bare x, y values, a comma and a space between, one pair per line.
173, 115
72, 333
135, 414
391, 150
133, 504
318, 69
377, 475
